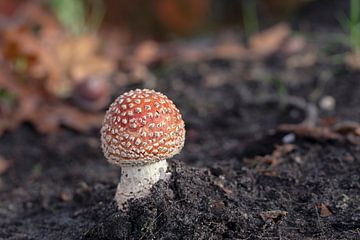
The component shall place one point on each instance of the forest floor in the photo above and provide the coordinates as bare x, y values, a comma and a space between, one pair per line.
272, 152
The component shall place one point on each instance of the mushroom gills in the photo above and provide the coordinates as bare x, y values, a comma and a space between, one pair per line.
136, 181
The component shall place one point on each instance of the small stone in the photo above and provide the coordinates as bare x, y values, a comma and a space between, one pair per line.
327, 103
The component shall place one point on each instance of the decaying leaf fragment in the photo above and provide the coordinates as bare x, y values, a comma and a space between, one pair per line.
46, 113
340, 132
273, 216
269, 41
266, 163
324, 210
319, 133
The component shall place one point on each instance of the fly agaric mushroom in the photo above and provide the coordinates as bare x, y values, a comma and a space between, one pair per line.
141, 129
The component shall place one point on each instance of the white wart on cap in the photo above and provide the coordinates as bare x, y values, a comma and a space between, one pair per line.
141, 129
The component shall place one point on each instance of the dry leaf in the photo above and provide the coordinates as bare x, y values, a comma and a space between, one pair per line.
96, 65
52, 58
76, 49
303, 60
79, 57
230, 50
324, 210
317, 133
265, 43
273, 216
347, 127
50, 118
65, 196
281, 150
271, 160
146, 53
40, 68
345, 131
266, 164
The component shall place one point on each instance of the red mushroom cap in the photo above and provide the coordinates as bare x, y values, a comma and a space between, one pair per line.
140, 127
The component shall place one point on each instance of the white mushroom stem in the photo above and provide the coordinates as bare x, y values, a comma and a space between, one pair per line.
136, 181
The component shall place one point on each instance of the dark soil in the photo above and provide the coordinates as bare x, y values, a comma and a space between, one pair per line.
61, 186
321, 16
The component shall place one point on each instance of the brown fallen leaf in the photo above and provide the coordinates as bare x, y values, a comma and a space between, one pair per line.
50, 118
316, 133
33, 12
45, 113
146, 53
357, 131
267, 162
303, 60
50, 57
80, 58
347, 127
30, 56
324, 210
273, 216
66, 196
38, 69
267, 42
281, 150
229, 50
76, 49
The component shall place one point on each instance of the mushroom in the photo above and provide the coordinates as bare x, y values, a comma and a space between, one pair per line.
141, 129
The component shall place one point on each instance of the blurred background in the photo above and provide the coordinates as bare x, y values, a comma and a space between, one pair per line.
62, 61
